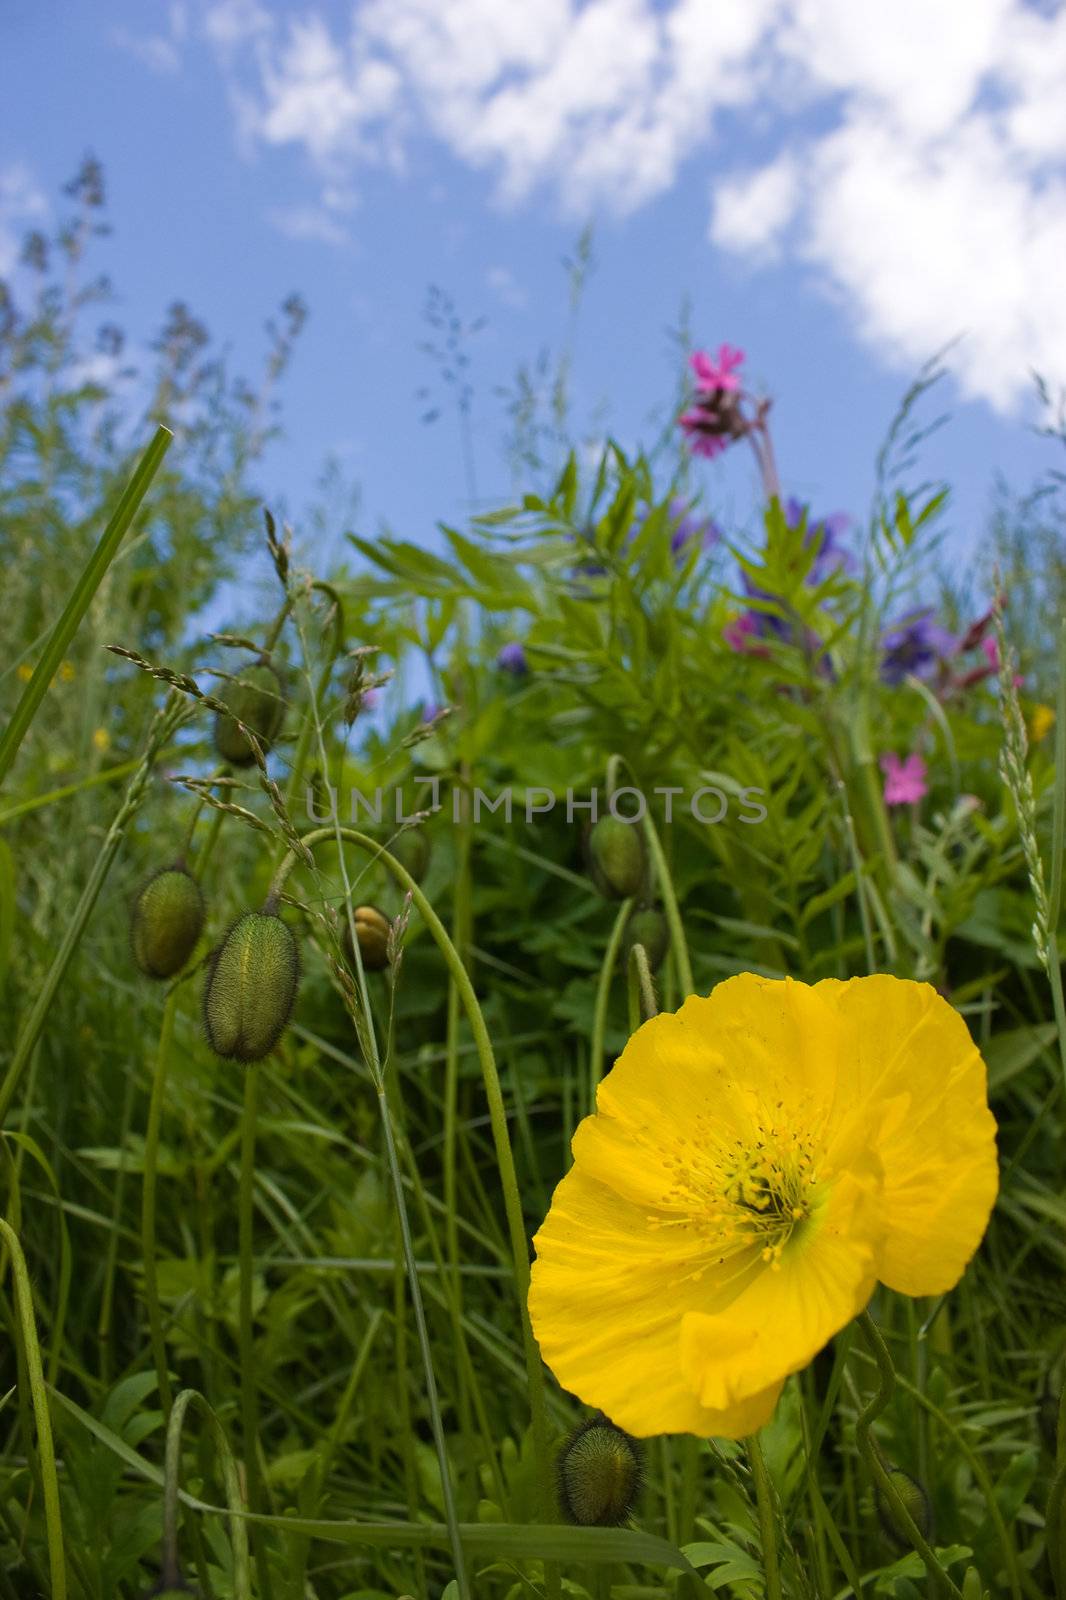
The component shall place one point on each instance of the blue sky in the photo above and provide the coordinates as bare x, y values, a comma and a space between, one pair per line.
830, 197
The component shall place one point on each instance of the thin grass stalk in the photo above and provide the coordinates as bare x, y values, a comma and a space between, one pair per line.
31, 1351
249, 1391
168, 719
89, 581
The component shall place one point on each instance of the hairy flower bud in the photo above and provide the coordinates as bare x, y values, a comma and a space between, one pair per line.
166, 921
599, 1473
412, 850
916, 1502
372, 932
648, 927
251, 987
256, 697
616, 863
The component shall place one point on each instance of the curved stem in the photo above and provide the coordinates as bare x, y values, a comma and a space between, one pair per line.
603, 994
31, 1352
151, 1162
171, 1578
638, 963
868, 1450
678, 942
303, 743
498, 1121
764, 1501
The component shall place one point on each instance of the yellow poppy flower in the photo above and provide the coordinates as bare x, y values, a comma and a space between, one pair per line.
757, 1162
1041, 722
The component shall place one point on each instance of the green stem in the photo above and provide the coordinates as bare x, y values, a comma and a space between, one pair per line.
148, 1203
603, 995
31, 1351
172, 1577
869, 1452
678, 942
498, 1122
764, 1501
638, 963
245, 1335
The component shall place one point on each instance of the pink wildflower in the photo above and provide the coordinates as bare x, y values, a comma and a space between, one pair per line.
718, 373
904, 780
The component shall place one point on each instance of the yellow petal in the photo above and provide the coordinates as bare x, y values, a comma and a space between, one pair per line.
754, 1045
606, 1302
826, 1275
919, 1083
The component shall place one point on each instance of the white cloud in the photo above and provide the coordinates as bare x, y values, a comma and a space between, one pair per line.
159, 52
503, 283
751, 210
916, 148
309, 222
22, 206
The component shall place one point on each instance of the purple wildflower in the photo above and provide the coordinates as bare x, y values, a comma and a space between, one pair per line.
917, 644
831, 554
512, 658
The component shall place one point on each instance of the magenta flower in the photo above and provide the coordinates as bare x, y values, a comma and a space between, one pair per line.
719, 373
904, 780
704, 435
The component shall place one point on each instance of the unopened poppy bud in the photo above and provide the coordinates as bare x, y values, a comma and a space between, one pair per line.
599, 1473
412, 850
166, 921
372, 932
256, 697
616, 857
251, 987
916, 1502
650, 928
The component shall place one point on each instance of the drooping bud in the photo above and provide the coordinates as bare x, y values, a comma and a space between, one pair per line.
599, 1473
648, 926
372, 932
255, 696
412, 850
615, 853
166, 921
251, 987
916, 1502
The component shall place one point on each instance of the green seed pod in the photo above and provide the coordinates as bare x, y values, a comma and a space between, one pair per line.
972, 1587
599, 1473
916, 1502
615, 851
251, 987
372, 931
166, 921
650, 928
256, 695
412, 850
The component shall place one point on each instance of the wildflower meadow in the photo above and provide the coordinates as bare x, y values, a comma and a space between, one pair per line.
532, 1066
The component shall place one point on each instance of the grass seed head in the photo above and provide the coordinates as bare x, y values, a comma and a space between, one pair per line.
256, 697
251, 987
616, 862
166, 921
